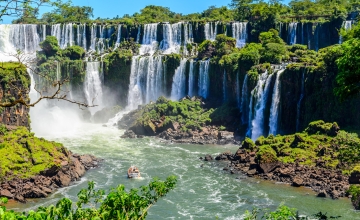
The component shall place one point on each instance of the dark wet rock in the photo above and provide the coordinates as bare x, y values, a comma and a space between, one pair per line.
105, 114
129, 134
208, 157
322, 194
297, 181
6, 193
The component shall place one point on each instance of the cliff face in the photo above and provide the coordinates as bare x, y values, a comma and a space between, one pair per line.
14, 78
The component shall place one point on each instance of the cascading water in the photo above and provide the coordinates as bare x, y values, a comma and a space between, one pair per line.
171, 42
93, 86
211, 30
149, 43
146, 80
224, 87
298, 107
7, 50
292, 33
274, 109
191, 78
347, 26
81, 36
239, 32
259, 95
204, 81
118, 39
244, 101
238, 98
24, 37
179, 81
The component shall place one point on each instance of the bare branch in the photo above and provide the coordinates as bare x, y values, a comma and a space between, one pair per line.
57, 92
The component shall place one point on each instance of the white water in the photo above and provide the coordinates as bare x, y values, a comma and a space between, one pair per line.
298, 107
292, 33
274, 109
149, 43
239, 32
146, 80
191, 79
211, 30
204, 81
24, 37
118, 37
347, 26
93, 86
171, 42
244, 101
179, 82
224, 84
259, 94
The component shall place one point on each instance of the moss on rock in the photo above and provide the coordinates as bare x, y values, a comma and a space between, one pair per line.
23, 155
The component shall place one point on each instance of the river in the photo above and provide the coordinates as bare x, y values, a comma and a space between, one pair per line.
202, 192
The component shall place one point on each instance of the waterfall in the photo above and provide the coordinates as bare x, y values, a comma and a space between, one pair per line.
118, 39
81, 35
171, 42
238, 98
274, 110
211, 30
93, 86
146, 80
292, 33
6, 48
244, 101
138, 34
56, 32
347, 26
302, 33
149, 43
298, 107
239, 32
179, 81
259, 95
224, 87
204, 82
191, 79
24, 37
93, 38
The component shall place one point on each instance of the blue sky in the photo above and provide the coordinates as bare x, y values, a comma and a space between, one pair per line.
111, 8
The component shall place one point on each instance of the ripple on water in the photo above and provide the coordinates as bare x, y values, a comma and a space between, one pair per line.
201, 192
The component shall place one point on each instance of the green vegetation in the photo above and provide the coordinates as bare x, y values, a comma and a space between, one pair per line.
91, 204
13, 72
189, 114
283, 213
354, 191
348, 78
320, 143
24, 155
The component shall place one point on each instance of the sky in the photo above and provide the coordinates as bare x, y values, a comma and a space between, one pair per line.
112, 8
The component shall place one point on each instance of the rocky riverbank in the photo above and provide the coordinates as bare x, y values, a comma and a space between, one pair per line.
326, 182
322, 157
43, 184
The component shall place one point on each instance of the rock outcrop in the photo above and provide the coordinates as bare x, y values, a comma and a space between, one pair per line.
43, 184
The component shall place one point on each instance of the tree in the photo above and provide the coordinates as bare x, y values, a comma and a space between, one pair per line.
348, 77
243, 9
66, 12
22, 9
91, 204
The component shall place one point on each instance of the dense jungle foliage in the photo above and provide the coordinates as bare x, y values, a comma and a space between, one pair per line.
260, 13
93, 204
